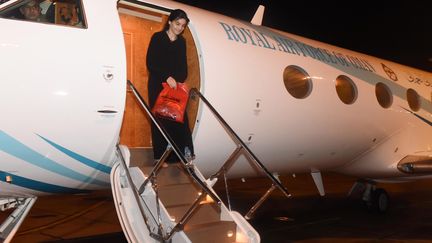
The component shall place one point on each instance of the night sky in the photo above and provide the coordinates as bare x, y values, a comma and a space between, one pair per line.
393, 30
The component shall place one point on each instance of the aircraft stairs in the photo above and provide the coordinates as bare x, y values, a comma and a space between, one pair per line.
176, 203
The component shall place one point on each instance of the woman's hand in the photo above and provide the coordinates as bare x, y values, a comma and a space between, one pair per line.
171, 82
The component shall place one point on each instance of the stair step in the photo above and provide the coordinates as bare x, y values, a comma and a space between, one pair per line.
181, 194
141, 157
205, 213
217, 232
177, 192
170, 175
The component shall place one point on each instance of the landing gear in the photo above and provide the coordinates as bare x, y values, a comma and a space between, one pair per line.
379, 201
375, 199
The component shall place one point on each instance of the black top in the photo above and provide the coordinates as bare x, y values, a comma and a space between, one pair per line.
165, 58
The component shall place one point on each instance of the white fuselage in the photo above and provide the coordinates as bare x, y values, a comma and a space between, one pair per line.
58, 81
53, 86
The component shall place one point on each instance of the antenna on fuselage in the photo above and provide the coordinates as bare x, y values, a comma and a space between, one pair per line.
258, 16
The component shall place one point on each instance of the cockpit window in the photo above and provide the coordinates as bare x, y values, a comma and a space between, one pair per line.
59, 12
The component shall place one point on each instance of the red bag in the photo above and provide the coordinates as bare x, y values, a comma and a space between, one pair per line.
171, 103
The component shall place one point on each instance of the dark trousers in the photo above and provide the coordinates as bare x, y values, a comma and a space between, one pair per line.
179, 132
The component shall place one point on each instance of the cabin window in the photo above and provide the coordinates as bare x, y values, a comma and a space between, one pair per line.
297, 82
383, 95
346, 89
413, 99
60, 12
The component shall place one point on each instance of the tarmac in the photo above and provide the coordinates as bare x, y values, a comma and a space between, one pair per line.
305, 217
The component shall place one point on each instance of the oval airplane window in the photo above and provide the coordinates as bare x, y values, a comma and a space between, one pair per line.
297, 82
383, 95
413, 99
346, 89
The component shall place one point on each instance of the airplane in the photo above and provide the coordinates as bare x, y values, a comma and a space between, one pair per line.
264, 103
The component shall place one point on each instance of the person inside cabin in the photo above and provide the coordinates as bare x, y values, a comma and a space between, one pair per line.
167, 62
32, 11
62, 12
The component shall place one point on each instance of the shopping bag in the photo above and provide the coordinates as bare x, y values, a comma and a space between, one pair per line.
171, 103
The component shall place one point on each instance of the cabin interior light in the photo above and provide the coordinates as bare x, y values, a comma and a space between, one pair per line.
209, 199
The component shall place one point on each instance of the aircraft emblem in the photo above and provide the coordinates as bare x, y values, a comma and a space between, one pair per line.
390, 73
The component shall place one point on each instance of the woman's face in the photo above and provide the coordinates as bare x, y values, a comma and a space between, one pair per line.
177, 26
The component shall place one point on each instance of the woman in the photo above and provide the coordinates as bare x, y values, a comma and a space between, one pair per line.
167, 62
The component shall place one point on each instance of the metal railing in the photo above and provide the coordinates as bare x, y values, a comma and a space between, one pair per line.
241, 146
190, 169
137, 198
185, 164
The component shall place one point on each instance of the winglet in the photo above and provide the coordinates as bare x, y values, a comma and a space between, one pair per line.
258, 17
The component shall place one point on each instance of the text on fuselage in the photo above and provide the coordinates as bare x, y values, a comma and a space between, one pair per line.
274, 41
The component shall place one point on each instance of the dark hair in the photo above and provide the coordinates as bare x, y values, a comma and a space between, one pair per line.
176, 14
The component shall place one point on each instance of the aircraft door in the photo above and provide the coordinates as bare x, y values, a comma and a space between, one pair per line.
138, 26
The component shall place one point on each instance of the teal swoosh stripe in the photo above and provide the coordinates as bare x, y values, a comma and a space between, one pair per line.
419, 117
82, 159
38, 185
19, 150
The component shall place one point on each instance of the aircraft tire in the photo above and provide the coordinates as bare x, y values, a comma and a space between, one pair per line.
380, 201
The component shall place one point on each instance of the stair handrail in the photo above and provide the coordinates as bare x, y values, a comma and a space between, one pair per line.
187, 165
240, 145
137, 197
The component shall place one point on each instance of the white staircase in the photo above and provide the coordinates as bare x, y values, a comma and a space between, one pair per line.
184, 211
177, 204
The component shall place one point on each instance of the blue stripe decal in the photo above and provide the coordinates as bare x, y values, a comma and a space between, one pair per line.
82, 159
37, 185
19, 150
419, 117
